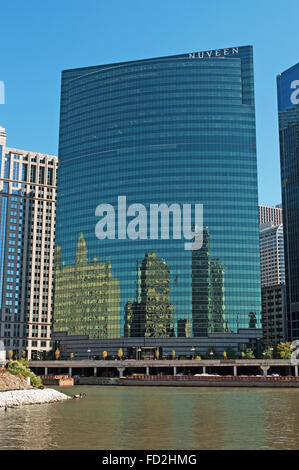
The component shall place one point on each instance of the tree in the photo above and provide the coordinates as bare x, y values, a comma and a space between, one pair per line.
157, 353
268, 353
284, 350
57, 354
173, 354
249, 354
120, 353
23, 353
212, 353
10, 353
224, 354
104, 354
72, 355
230, 353
197, 358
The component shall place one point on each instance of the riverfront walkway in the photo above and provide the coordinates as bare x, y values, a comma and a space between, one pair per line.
119, 368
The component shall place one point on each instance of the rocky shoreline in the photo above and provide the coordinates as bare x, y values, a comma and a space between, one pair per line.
30, 397
15, 391
12, 382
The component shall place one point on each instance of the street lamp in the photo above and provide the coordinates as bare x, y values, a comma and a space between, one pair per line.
211, 354
88, 352
138, 354
192, 351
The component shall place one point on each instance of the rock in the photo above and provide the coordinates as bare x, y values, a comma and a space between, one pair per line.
12, 382
14, 398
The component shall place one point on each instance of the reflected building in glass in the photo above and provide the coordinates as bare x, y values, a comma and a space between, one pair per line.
153, 314
169, 130
86, 296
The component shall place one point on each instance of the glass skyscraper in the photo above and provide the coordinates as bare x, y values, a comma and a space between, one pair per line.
173, 130
288, 111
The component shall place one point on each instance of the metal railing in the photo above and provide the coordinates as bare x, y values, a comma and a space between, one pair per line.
214, 378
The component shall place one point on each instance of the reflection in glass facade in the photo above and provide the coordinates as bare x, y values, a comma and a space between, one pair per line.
288, 111
172, 130
87, 296
153, 315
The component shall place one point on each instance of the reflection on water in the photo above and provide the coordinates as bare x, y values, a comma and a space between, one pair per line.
157, 418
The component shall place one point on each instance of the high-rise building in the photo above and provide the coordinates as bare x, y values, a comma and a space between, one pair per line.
27, 229
288, 113
272, 277
272, 255
273, 314
271, 214
172, 130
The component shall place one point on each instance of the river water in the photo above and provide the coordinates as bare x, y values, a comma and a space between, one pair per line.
157, 418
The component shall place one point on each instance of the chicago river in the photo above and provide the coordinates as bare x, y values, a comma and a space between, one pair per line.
157, 418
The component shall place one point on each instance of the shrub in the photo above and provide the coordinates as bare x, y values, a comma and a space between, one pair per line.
21, 367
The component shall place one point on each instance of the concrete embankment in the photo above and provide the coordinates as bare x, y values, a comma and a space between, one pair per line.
30, 397
204, 381
213, 381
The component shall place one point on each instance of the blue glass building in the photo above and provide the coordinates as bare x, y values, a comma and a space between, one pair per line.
288, 111
172, 130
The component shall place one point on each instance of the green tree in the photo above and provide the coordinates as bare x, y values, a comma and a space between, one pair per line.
173, 354
284, 350
268, 353
57, 354
212, 353
120, 353
249, 354
230, 353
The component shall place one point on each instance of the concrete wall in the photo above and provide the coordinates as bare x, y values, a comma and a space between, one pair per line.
79, 345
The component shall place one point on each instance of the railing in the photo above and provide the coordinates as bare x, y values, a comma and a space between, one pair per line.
214, 378
56, 377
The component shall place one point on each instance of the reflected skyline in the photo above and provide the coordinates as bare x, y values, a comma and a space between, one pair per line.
157, 418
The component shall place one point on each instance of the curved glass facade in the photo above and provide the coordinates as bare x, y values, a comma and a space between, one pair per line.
288, 114
173, 130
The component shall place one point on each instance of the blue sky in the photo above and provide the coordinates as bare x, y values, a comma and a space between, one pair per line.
39, 39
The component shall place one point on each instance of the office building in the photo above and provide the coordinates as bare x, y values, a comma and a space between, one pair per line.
271, 214
272, 279
288, 113
172, 130
27, 229
272, 255
273, 314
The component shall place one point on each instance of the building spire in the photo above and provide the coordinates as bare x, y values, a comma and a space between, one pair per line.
81, 252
